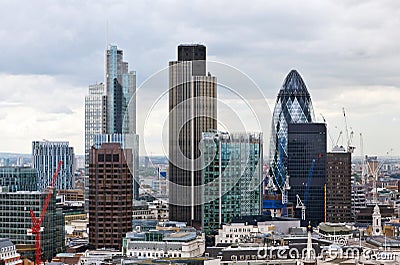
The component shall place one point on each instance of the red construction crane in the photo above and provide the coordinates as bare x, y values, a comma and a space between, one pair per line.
36, 223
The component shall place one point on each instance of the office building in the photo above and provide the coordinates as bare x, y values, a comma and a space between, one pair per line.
95, 116
338, 186
307, 168
15, 223
121, 97
192, 110
127, 142
18, 179
46, 155
293, 105
110, 195
232, 177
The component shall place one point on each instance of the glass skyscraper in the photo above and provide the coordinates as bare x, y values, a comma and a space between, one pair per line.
46, 155
232, 177
192, 111
307, 169
293, 105
121, 87
95, 116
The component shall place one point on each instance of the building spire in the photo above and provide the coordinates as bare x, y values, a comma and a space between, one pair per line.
310, 254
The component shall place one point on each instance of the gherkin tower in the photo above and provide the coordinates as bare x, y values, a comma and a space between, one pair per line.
293, 105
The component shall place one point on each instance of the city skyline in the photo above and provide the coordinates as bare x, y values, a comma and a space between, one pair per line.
345, 53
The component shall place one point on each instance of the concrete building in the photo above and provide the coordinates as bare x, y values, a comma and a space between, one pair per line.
8, 253
338, 186
156, 210
164, 243
192, 110
358, 198
15, 223
307, 169
97, 257
236, 233
18, 178
232, 177
110, 195
46, 155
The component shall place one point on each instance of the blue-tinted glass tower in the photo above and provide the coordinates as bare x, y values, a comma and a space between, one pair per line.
293, 105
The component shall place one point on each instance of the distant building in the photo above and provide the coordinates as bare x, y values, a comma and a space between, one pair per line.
365, 215
192, 111
338, 187
110, 195
307, 161
8, 253
358, 197
232, 177
95, 116
72, 195
18, 178
15, 223
97, 257
46, 155
156, 210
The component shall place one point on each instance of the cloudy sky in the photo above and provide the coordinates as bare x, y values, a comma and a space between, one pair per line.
346, 51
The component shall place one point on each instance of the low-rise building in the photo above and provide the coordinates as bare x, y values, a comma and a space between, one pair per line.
97, 257
8, 253
155, 210
335, 232
236, 233
185, 243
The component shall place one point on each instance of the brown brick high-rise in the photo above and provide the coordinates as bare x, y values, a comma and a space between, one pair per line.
338, 187
110, 195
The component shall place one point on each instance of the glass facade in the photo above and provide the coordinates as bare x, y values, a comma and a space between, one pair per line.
46, 155
307, 161
121, 87
15, 221
94, 116
232, 176
293, 105
18, 178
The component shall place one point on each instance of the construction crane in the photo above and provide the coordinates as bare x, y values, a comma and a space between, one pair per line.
363, 173
37, 222
300, 204
330, 136
375, 172
350, 147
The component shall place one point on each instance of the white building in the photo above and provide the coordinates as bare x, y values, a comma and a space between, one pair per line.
8, 253
164, 244
97, 257
236, 233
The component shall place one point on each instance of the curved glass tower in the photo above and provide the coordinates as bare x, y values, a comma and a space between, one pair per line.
293, 105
